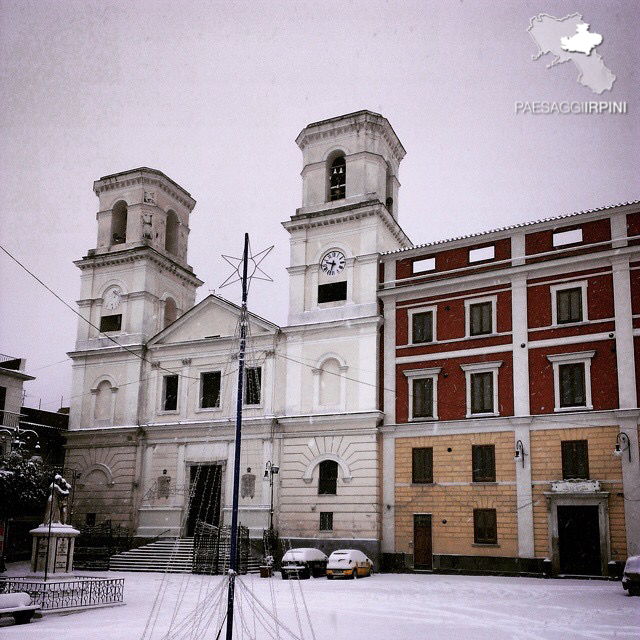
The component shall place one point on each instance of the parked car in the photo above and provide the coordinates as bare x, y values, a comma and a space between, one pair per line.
348, 563
631, 576
303, 563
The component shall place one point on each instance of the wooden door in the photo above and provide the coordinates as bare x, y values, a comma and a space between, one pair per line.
422, 542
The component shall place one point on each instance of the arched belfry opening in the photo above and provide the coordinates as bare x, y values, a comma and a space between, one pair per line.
170, 312
119, 223
337, 177
172, 233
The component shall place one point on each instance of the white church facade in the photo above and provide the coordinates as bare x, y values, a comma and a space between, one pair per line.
154, 377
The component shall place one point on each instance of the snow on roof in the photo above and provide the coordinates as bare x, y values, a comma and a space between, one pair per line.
513, 226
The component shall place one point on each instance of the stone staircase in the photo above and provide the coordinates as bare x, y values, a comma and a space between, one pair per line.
169, 555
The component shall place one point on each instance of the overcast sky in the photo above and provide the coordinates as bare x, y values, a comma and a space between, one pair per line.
214, 94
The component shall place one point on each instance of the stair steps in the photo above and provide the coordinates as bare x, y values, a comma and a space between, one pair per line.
169, 555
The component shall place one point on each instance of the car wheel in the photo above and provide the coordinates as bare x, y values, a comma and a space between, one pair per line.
285, 576
634, 589
329, 577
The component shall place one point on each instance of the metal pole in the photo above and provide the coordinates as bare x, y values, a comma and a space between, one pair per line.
236, 469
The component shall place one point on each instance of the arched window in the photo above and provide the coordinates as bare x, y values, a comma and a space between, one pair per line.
119, 222
327, 477
172, 231
170, 312
337, 179
103, 401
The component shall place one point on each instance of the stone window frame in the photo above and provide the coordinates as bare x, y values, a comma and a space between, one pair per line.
494, 315
555, 288
482, 367
411, 375
576, 357
199, 407
433, 309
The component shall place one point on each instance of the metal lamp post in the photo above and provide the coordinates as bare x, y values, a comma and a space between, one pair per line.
270, 470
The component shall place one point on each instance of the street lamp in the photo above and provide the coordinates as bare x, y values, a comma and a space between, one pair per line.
269, 471
622, 444
16, 437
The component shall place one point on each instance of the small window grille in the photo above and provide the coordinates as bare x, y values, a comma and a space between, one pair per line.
326, 521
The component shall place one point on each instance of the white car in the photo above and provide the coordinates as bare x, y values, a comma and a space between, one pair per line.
303, 563
631, 576
348, 563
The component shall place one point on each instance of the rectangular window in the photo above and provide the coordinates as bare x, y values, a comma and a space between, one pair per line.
326, 521
562, 238
485, 526
210, 389
170, 393
572, 385
480, 321
575, 459
422, 465
483, 253
252, 385
111, 323
482, 392
569, 305
484, 462
422, 327
332, 292
424, 264
422, 398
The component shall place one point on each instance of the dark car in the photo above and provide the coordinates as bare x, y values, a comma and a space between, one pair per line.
303, 563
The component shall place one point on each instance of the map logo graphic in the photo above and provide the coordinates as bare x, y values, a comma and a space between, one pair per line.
569, 39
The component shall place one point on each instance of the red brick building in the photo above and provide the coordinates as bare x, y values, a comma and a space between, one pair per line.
510, 375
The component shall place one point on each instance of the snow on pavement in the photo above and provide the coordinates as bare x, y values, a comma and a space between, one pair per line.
382, 607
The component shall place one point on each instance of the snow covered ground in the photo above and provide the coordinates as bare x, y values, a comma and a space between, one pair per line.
382, 607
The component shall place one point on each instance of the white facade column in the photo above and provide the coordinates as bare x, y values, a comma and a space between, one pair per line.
147, 468
519, 323
625, 360
388, 490
631, 480
389, 350
524, 497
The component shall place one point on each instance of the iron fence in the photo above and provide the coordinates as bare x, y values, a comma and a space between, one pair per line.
66, 594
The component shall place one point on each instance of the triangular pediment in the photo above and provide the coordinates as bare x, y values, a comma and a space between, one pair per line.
213, 317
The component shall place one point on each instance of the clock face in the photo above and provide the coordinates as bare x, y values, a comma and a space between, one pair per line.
333, 263
112, 298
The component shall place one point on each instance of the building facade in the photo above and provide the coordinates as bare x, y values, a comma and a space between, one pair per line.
513, 377
393, 402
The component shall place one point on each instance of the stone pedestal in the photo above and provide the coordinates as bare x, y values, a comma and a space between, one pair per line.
57, 543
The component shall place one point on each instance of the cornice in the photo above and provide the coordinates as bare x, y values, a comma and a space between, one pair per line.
348, 213
350, 123
137, 254
145, 176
